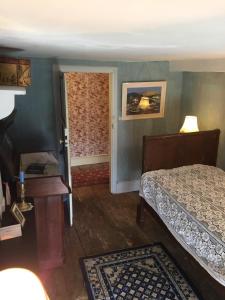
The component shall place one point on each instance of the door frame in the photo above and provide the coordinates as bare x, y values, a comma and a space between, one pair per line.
112, 71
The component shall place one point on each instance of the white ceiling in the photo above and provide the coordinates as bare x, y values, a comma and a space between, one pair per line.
130, 30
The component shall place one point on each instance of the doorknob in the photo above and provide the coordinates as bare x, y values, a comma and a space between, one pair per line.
65, 142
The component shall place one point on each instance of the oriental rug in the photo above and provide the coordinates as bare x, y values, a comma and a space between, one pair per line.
146, 272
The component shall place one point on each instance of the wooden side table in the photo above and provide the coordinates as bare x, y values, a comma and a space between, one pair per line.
47, 193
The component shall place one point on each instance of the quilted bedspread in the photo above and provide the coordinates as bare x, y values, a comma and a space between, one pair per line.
191, 202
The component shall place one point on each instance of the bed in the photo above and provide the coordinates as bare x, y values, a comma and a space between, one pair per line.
181, 183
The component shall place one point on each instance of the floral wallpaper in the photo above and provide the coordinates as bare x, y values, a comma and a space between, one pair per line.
88, 105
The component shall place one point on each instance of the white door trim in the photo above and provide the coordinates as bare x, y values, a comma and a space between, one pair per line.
67, 145
112, 71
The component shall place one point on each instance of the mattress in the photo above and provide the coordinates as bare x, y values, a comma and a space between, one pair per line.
191, 202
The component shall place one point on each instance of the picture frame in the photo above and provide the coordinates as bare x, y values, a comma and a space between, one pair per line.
143, 100
18, 214
15, 72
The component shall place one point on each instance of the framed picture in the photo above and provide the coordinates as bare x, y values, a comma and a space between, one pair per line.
18, 214
143, 100
15, 72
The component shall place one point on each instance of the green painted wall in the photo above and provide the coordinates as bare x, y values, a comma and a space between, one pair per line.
204, 95
130, 133
34, 126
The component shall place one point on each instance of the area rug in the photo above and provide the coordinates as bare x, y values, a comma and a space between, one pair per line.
90, 174
147, 272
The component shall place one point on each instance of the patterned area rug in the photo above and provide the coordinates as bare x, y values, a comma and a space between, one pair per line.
90, 174
146, 272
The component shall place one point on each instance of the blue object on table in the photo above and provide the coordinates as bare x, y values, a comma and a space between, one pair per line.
21, 177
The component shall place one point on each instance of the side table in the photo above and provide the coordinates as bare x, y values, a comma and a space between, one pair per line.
47, 193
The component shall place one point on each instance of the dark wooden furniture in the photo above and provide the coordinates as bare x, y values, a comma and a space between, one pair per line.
8, 155
47, 193
19, 252
176, 150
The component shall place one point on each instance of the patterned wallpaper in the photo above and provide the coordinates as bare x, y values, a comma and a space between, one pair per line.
88, 105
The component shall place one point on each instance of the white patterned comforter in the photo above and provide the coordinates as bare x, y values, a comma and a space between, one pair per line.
191, 202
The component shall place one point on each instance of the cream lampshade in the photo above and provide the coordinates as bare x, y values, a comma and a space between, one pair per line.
190, 124
21, 284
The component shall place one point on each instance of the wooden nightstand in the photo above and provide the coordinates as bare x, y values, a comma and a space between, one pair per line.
48, 193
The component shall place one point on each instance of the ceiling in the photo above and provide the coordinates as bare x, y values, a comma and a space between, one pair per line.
127, 30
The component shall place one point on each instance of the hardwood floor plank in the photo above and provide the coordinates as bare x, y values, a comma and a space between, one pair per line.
106, 222
113, 217
67, 282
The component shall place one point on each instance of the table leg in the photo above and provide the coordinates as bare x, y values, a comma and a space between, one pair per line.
49, 217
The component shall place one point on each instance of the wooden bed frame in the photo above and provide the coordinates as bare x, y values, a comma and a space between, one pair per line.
176, 150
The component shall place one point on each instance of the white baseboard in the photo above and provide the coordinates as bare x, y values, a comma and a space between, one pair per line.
127, 186
88, 160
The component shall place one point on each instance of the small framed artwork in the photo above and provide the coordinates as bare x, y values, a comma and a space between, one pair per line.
15, 72
143, 100
18, 214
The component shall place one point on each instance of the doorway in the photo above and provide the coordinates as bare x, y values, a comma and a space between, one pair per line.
87, 95
112, 108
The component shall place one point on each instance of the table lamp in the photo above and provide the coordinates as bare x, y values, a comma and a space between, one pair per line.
190, 124
21, 284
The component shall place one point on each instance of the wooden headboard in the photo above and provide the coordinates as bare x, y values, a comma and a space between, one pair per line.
175, 150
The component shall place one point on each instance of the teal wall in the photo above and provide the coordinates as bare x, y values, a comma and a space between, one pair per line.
204, 95
130, 133
34, 126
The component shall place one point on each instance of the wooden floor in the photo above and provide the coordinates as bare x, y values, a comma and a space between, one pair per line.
105, 222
